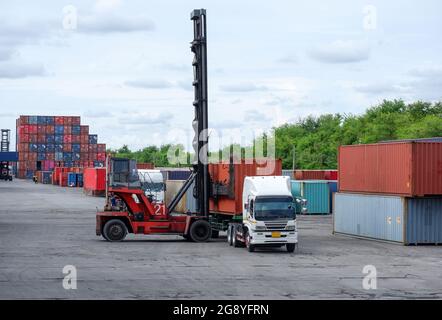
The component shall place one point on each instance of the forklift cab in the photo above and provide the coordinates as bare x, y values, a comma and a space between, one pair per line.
123, 173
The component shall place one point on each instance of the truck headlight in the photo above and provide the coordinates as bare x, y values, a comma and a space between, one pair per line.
260, 228
290, 228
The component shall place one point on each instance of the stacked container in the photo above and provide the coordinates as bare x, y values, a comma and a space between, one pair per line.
316, 192
391, 191
47, 142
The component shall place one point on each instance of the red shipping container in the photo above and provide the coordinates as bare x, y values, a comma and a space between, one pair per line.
84, 131
93, 148
63, 179
315, 174
23, 120
220, 172
50, 156
101, 156
41, 129
33, 129
84, 156
67, 129
404, 168
92, 156
67, 147
33, 138
67, 138
75, 138
41, 138
84, 139
76, 121
84, 148
145, 166
67, 121
94, 179
101, 147
50, 130
32, 156
59, 121
24, 138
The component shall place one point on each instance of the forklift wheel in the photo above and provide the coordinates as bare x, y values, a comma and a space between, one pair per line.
114, 230
200, 231
229, 235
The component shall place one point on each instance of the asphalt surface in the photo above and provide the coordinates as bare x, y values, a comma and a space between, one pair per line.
44, 228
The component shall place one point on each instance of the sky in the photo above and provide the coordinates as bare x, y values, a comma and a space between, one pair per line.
125, 65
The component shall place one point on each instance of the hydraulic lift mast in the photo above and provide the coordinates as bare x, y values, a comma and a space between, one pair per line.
200, 122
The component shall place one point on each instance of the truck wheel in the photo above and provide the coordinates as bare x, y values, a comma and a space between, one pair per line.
200, 231
229, 235
235, 242
290, 247
114, 230
215, 234
250, 247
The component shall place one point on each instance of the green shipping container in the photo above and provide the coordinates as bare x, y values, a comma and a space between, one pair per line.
317, 193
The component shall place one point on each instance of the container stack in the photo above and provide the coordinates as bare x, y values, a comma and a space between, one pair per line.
391, 191
47, 142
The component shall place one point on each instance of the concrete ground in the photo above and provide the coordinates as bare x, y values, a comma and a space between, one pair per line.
43, 228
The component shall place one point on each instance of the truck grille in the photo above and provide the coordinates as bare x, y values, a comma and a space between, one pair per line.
277, 225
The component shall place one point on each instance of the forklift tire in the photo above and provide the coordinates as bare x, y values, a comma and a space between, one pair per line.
200, 231
215, 234
114, 230
290, 247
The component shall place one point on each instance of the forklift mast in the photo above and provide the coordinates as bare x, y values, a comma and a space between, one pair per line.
200, 144
6, 137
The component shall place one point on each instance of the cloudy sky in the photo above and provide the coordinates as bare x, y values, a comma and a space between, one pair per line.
125, 65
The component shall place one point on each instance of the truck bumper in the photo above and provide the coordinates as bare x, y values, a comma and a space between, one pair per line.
269, 238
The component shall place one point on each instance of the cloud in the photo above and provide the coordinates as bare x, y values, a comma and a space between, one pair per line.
257, 116
175, 67
113, 24
16, 71
243, 87
97, 114
146, 119
288, 59
5, 54
426, 71
185, 85
149, 84
107, 5
341, 52
378, 88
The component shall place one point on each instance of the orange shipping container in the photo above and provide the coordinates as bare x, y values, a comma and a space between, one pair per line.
402, 168
232, 176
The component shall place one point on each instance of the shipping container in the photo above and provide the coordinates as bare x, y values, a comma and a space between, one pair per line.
145, 166
288, 173
333, 189
178, 174
317, 193
94, 181
389, 217
93, 139
316, 175
404, 168
228, 182
72, 179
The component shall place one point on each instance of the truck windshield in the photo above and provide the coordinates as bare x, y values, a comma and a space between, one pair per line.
268, 208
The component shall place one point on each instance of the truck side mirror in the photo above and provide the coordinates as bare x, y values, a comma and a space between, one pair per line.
246, 206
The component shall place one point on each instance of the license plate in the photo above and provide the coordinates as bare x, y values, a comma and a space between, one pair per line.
276, 234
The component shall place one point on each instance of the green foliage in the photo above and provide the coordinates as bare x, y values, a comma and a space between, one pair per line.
315, 140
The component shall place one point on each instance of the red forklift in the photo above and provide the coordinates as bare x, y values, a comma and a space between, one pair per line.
129, 210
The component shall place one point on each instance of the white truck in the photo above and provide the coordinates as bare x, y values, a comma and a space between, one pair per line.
269, 214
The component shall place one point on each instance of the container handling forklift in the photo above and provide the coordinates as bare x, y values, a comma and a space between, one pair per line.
263, 214
127, 207
6, 157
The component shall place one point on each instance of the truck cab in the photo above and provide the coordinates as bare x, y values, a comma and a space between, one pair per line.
269, 214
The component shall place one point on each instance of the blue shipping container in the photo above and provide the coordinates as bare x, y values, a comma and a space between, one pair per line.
98, 164
33, 120
392, 218
58, 156
93, 139
41, 156
41, 147
59, 138
47, 177
50, 147
333, 188
76, 147
9, 156
50, 120
68, 164
178, 174
67, 156
75, 130
72, 179
50, 139
33, 147
59, 130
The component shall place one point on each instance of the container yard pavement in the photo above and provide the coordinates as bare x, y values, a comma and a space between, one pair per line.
44, 227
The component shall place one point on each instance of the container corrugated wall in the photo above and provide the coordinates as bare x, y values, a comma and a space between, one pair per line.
392, 218
424, 221
405, 168
371, 216
317, 194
